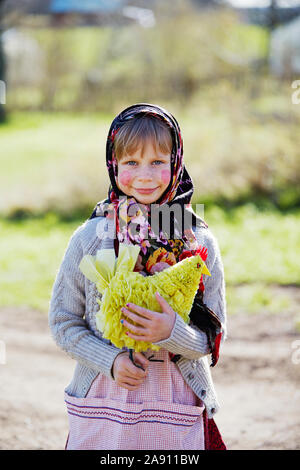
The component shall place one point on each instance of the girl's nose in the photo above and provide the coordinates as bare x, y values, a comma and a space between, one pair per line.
145, 174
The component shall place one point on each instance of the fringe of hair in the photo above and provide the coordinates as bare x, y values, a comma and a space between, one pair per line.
134, 134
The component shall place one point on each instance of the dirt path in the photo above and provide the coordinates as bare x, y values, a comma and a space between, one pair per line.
256, 379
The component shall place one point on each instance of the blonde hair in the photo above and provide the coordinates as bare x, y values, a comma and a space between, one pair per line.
135, 133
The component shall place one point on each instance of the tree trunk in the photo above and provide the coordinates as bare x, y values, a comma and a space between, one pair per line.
272, 23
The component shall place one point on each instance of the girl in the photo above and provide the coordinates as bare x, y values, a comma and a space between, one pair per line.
164, 400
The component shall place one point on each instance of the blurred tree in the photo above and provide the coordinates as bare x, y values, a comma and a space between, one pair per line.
2, 64
273, 19
272, 22
207, 3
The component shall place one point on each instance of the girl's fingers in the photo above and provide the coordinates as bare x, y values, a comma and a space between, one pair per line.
130, 383
132, 380
135, 329
138, 337
136, 318
141, 359
144, 312
135, 372
163, 303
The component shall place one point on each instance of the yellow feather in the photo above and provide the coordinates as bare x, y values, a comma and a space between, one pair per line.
119, 285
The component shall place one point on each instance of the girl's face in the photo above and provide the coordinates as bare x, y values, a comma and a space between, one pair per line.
144, 175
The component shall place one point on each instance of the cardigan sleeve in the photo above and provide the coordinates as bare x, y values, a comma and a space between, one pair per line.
215, 290
66, 314
188, 340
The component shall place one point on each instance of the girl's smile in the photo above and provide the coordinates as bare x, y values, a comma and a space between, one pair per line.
145, 191
145, 174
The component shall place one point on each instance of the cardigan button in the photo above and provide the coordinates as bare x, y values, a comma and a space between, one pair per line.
191, 376
213, 410
203, 394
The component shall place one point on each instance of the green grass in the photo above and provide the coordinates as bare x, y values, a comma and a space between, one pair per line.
258, 246
258, 298
258, 249
241, 140
239, 126
49, 160
57, 161
132, 60
31, 252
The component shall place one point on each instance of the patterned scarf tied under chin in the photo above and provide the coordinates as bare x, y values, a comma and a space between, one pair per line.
160, 248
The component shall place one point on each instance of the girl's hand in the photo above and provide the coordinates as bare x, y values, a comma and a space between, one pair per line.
126, 374
151, 326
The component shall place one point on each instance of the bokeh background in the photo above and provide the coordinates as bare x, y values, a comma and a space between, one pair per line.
230, 73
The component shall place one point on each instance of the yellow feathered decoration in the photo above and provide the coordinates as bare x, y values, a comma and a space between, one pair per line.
119, 284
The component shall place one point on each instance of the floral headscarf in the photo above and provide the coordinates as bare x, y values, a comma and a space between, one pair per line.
133, 220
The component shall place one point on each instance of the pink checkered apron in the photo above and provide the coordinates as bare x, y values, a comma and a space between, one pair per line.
164, 413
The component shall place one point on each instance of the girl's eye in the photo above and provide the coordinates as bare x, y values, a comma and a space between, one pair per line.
132, 162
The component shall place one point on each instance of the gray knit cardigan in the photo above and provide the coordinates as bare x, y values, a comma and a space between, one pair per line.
73, 306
